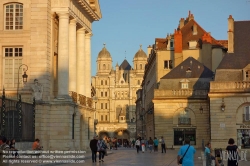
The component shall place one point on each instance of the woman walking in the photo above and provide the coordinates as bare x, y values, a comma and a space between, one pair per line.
232, 151
137, 144
101, 147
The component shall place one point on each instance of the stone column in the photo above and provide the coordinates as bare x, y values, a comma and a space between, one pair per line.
88, 64
80, 61
72, 55
63, 56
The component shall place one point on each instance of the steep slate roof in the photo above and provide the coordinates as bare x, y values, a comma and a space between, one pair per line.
198, 70
125, 65
241, 56
187, 35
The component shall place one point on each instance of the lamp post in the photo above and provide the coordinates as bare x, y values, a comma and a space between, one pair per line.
25, 76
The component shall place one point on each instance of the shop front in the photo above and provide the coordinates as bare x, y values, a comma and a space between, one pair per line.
180, 134
243, 136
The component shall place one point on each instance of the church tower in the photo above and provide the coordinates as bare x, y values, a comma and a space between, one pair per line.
104, 62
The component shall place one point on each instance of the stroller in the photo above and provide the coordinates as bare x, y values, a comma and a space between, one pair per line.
219, 156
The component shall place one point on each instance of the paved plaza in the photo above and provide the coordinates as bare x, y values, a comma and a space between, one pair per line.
128, 156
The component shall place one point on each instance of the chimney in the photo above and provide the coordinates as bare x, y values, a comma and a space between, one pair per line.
178, 41
181, 23
195, 29
206, 38
190, 17
149, 50
230, 34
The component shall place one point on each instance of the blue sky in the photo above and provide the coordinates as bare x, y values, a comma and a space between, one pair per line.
125, 24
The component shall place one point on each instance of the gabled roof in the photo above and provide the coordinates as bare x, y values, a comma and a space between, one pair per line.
189, 68
125, 65
187, 34
241, 56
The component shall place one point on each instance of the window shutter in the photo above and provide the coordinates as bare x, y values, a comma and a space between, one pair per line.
247, 114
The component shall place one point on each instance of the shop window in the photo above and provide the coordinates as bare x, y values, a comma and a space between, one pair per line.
243, 138
180, 134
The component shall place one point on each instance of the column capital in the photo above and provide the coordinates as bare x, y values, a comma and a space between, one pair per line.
73, 22
88, 34
63, 15
81, 30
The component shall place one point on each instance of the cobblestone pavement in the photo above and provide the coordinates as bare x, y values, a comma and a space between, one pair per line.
128, 156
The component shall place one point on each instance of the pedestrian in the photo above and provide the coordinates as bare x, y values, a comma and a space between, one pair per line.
137, 144
93, 147
150, 144
142, 145
232, 151
133, 143
186, 154
163, 147
101, 147
209, 156
156, 142
3, 147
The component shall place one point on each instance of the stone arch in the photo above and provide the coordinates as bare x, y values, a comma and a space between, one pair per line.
122, 135
103, 134
191, 115
240, 111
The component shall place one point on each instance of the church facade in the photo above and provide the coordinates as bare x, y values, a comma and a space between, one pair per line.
116, 95
49, 41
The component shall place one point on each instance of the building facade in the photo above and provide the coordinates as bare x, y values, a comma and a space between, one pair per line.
50, 41
188, 40
116, 94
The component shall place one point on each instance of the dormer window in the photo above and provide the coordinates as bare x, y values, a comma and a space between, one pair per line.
170, 45
247, 74
184, 83
192, 44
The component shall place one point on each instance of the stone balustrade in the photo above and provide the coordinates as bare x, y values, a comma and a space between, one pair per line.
239, 86
160, 93
81, 99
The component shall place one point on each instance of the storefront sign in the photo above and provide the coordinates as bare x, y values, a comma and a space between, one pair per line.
244, 126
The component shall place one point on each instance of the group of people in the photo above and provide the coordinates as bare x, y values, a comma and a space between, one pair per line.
151, 144
8, 145
99, 144
186, 154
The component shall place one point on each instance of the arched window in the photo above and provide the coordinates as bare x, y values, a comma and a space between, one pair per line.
104, 67
184, 117
13, 16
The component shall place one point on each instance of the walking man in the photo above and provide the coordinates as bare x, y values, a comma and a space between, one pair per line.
137, 144
163, 147
93, 147
186, 152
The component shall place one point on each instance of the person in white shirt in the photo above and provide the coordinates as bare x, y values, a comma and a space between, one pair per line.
137, 144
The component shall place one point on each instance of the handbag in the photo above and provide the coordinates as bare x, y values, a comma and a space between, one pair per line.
181, 159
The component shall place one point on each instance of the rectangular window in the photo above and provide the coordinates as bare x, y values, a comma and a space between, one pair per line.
13, 16
101, 82
101, 105
171, 44
106, 94
247, 75
12, 60
168, 64
184, 85
106, 82
101, 117
106, 117
106, 105
247, 113
101, 94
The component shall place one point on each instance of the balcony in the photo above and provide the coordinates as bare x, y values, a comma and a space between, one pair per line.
244, 119
184, 121
81, 99
239, 86
180, 93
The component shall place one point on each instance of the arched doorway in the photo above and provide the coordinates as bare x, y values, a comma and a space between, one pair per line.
103, 134
122, 136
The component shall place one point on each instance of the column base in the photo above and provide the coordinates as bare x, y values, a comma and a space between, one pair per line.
64, 97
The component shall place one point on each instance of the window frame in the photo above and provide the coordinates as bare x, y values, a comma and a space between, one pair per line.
184, 85
14, 15
15, 66
168, 64
245, 112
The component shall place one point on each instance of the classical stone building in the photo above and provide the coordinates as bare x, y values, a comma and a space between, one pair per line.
230, 91
50, 41
188, 40
116, 94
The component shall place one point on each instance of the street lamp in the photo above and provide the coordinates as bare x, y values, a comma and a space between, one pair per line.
25, 76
